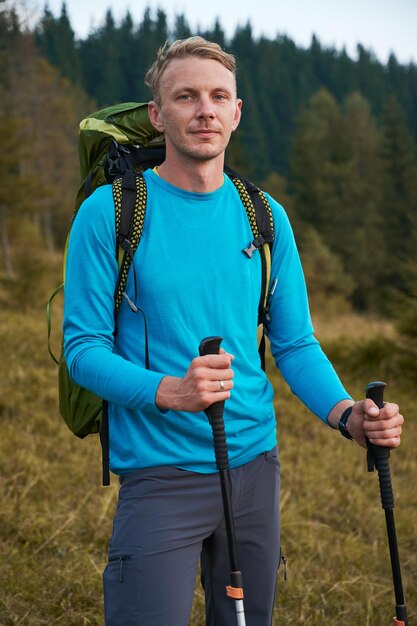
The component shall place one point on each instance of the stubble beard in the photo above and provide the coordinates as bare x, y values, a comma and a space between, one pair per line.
205, 151
190, 147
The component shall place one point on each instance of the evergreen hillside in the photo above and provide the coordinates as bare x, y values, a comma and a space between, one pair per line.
330, 137
275, 77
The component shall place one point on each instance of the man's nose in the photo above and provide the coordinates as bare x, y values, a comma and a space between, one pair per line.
205, 107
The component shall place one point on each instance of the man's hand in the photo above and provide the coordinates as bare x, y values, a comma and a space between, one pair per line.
207, 380
381, 426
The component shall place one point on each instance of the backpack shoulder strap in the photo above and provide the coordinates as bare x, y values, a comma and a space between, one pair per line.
261, 222
129, 195
262, 225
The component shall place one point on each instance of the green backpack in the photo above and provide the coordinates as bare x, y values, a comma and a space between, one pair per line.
116, 145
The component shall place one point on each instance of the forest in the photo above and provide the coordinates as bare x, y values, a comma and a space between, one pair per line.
334, 140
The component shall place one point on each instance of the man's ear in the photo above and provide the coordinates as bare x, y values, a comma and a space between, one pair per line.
238, 114
154, 116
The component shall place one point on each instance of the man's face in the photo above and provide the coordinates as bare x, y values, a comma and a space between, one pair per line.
198, 109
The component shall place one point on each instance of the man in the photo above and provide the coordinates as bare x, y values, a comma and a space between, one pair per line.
193, 281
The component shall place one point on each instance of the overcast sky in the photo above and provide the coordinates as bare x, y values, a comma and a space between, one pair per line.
382, 26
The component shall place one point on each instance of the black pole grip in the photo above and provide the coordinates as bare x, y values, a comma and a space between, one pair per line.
375, 391
378, 456
211, 345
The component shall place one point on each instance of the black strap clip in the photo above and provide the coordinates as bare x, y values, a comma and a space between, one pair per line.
125, 244
254, 245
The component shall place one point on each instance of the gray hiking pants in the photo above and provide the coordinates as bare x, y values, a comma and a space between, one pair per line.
167, 519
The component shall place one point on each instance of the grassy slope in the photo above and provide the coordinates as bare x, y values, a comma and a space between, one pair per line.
55, 519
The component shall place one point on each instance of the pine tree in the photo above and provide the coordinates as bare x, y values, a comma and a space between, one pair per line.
55, 38
128, 44
16, 188
362, 198
41, 112
181, 27
316, 154
252, 132
336, 173
399, 187
110, 77
217, 34
152, 34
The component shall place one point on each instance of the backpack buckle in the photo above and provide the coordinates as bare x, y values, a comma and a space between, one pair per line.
254, 245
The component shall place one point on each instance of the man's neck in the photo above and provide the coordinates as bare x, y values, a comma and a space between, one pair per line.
195, 176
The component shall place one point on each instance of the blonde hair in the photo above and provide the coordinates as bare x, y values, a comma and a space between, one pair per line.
192, 46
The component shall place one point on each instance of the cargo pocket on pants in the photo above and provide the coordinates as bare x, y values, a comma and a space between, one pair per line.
122, 585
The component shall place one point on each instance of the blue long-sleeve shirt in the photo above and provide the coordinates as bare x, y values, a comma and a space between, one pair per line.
192, 281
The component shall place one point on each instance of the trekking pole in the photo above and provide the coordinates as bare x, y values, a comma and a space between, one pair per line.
378, 456
214, 412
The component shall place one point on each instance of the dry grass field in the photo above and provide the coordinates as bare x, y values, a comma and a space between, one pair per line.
55, 518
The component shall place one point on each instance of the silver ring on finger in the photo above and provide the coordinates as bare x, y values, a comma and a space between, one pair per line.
221, 383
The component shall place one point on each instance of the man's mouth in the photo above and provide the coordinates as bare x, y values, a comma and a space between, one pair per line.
204, 131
